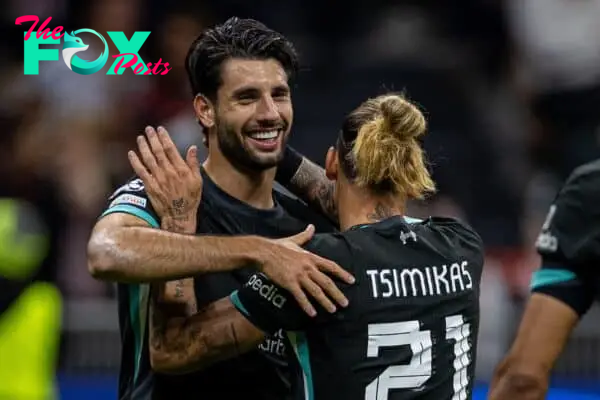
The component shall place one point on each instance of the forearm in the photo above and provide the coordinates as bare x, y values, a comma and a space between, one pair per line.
179, 294
307, 180
141, 254
218, 332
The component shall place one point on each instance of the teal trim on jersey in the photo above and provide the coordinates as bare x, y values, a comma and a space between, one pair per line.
235, 299
547, 277
138, 294
134, 321
138, 212
300, 345
138, 318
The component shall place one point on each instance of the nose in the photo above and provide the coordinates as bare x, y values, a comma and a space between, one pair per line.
267, 109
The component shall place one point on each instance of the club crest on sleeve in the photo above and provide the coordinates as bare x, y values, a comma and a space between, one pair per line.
136, 185
129, 199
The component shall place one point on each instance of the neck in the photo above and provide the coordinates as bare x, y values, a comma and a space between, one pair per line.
356, 207
253, 188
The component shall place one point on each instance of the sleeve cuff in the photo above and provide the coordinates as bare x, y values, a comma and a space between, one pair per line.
258, 319
564, 286
136, 212
547, 277
237, 303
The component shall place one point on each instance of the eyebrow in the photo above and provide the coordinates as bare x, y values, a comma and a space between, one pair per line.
249, 90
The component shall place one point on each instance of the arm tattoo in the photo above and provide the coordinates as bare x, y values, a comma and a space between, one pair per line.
171, 303
215, 333
380, 212
311, 185
170, 335
179, 288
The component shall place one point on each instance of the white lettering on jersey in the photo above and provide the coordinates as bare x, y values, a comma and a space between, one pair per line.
267, 291
420, 282
129, 199
546, 241
274, 345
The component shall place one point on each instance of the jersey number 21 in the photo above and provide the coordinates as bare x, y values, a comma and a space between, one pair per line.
418, 371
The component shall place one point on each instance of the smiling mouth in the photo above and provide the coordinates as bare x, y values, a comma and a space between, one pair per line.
265, 135
266, 140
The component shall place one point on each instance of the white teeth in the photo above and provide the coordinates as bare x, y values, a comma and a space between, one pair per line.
264, 135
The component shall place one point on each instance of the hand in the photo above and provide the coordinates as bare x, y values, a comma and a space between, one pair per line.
174, 186
298, 270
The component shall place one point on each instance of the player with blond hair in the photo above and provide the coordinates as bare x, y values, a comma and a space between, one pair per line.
410, 329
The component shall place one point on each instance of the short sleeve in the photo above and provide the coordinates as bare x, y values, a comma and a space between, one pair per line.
131, 199
268, 306
569, 242
271, 308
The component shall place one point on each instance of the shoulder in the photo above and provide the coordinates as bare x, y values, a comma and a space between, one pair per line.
131, 198
455, 236
455, 228
583, 185
328, 244
298, 209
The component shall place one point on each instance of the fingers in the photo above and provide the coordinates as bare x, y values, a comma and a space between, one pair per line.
302, 300
156, 146
147, 156
137, 165
317, 293
139, 169
169, 147
303, 236
330, 288
191, 159
332, 268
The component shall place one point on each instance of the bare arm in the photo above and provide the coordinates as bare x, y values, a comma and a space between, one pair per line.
217, 332
311, 185
544, 331
123, 248
177, 298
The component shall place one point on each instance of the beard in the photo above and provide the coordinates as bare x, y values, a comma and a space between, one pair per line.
232, 146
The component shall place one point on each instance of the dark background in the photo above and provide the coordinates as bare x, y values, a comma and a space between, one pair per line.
511, 90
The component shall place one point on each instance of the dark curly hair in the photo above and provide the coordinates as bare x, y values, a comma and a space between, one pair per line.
235, 38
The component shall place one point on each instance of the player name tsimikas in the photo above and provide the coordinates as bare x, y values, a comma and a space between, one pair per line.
425, 281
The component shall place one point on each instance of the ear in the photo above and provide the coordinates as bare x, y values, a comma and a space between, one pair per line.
331, 164
205, 111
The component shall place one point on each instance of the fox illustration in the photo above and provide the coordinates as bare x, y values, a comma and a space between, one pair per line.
73, 45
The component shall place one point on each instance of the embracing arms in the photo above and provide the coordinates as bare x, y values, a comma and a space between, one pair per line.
180, 344
307, 180
123, 248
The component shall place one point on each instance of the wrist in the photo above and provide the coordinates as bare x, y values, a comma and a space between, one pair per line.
185, 224
262, 250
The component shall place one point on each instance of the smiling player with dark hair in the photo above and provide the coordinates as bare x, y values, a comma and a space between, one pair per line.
239, 73
410, 330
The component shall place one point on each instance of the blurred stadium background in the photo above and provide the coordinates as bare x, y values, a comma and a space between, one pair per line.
511, 89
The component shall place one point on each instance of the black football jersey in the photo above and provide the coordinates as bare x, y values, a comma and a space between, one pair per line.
569, 242
410, 330
262, 374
